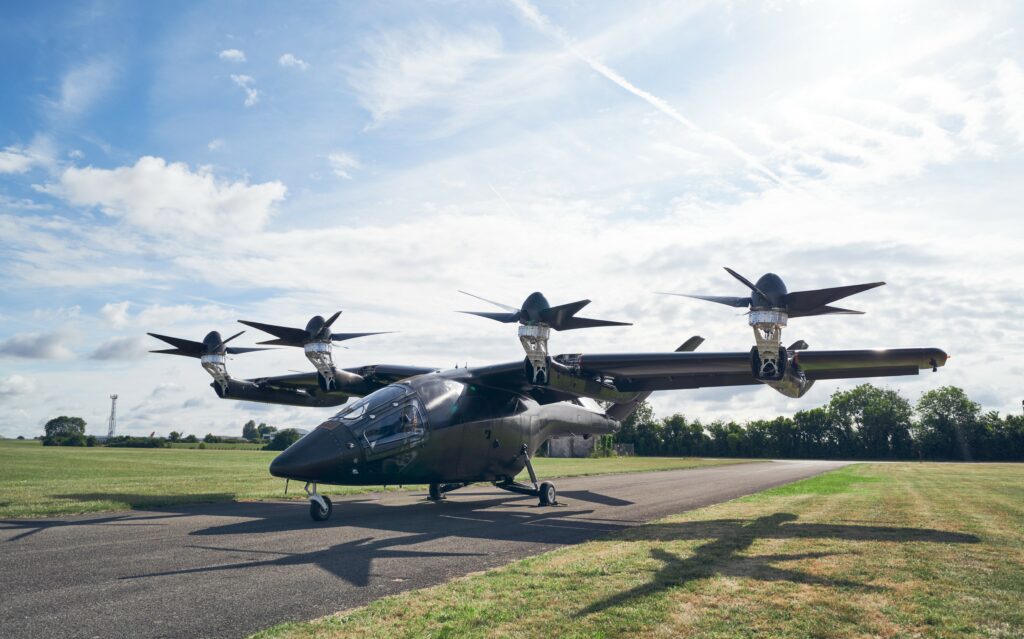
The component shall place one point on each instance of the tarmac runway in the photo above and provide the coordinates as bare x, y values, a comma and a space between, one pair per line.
230, 569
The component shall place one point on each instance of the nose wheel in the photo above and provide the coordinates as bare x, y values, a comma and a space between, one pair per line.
320, 506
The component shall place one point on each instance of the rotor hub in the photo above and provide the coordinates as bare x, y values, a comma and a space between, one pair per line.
534, 338
319, 354
216, 365
767, 325
772, 316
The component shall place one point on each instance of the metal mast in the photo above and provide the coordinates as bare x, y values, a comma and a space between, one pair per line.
112, 422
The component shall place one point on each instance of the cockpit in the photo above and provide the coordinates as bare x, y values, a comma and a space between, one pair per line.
398, 417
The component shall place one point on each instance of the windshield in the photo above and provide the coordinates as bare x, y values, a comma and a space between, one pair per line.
374, 401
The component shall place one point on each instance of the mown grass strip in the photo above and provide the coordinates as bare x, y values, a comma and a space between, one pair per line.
893, 550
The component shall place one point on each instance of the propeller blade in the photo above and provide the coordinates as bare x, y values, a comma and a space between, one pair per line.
738, 302
825, 310
572, 323
281, 342
291, 336
188, 347
174, 351
691, 344
341, 337
237, 350
556, 315
504, 318
745, 281
330, 320
223, 342
512, 309
808, 300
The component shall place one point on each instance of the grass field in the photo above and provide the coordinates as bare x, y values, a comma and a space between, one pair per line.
885, 550
38, 480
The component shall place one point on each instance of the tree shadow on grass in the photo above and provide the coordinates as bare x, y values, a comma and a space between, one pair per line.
729, 537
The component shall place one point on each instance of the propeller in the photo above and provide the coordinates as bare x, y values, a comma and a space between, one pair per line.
212, 344
537, 310
317, 329
769, 293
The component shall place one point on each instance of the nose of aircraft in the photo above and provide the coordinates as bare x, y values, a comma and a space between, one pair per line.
318, 456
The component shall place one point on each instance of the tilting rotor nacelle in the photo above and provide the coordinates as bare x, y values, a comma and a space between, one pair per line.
316, 341
536, 318
771, 306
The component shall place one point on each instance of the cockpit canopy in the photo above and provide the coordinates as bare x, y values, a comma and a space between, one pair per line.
398, 417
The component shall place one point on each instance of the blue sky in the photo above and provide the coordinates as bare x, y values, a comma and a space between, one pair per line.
173, 167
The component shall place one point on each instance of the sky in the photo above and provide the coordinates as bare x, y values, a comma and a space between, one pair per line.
174, 167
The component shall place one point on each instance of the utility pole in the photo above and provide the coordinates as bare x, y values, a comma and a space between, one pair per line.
112, 422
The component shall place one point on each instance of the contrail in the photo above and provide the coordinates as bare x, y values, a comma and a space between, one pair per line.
502, 198
542, 23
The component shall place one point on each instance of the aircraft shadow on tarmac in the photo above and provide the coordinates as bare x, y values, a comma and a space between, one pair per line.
730, 537
505, 518
501, 517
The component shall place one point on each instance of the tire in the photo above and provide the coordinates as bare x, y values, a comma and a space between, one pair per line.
435, 492
318, 513
548, 495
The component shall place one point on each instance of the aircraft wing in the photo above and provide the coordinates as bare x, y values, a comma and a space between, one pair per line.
612, 376
304, 389
675, 371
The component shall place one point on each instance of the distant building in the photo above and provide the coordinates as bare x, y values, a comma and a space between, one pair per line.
572, 446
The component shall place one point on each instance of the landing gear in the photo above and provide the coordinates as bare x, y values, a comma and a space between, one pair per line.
437, 491
320, 506
548, 494
545, 492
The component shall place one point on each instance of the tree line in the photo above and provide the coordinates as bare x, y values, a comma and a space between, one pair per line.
866, 422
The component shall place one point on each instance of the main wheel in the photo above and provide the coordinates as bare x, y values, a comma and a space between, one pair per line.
318, 513
547, 494
435, 492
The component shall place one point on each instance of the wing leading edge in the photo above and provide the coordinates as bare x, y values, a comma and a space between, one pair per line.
612, 376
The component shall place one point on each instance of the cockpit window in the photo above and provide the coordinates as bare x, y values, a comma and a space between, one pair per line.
375, 401
386, 422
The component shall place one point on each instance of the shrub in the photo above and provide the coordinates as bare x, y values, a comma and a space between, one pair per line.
283, 439
125, 441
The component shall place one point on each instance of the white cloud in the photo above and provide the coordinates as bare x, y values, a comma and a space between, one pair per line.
215, 145
1010, 81
83, 86
156, 196
232, 55
120, 348
116, 313
19, 159
409, 68
245, 82
15, 385
342, 163
289, 60
14, 159
36, 346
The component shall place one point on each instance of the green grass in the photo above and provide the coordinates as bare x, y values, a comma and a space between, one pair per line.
884, 550
38, 480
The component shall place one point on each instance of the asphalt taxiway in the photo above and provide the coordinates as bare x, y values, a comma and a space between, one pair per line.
230, 569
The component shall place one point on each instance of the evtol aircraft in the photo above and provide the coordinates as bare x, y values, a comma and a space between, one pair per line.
451, 428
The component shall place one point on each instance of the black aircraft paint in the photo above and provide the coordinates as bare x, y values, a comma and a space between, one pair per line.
419, 425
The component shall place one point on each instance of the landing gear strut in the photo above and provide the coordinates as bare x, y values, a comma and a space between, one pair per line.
437, 491
544, 491
320, 506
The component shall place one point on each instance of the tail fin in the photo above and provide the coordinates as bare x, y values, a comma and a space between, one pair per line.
619, 412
